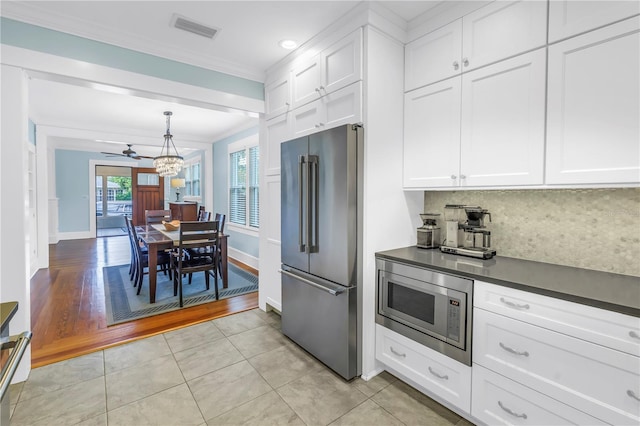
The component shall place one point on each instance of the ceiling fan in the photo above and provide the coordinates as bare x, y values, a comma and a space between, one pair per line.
130, 153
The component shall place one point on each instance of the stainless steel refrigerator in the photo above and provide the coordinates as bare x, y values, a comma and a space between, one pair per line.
321, 201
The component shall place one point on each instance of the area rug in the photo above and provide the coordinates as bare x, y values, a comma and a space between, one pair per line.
123, 304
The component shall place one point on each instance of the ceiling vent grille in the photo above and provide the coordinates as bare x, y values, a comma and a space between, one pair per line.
193, 27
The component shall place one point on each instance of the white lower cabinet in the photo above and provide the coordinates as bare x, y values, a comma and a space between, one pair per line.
498, 400
437, 374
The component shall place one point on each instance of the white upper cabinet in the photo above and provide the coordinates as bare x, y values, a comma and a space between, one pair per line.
593, 130
278, 96
342, 63
305, 82
501, 30
432, 135
335, 67
502, 137
486, 129
571, 17
492, 33
278, 131
433, 57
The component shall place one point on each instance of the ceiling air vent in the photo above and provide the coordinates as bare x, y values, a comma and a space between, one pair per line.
193, 27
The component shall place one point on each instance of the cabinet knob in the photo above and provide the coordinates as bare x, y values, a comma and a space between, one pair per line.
454, 177
287, 103
456, 65
465, 62
317, 90
322, 88
463, 176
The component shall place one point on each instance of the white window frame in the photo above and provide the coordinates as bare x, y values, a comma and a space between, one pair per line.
188, 164
243, 144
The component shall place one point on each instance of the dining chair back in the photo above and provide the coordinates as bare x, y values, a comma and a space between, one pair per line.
142, 258
196, 252
156, 216
220, 219
204, 216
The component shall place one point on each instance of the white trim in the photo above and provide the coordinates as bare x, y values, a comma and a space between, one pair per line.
370, 375
247, 230
80, 235
274, 304
57, 68
243, 257
92, 192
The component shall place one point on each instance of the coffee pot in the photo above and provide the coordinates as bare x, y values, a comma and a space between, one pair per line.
429, 232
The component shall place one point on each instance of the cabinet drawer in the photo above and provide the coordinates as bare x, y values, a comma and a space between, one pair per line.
610, 329
498, 400
602, 382
436, 373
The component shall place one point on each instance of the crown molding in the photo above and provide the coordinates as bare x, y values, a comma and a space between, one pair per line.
31, 13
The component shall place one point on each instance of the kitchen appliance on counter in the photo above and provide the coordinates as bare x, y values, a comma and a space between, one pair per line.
466, 234
429, 307
429, 232
321, 231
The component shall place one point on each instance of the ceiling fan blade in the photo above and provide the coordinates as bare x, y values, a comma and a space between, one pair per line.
144, 156
113, 154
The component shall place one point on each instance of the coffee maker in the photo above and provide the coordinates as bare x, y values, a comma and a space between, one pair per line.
429, 232
465, 233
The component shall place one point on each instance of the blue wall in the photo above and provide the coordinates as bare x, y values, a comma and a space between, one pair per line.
72, 188
245, 243
27, 36
32, 132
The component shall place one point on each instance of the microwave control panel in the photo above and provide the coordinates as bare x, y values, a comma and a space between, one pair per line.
453, 319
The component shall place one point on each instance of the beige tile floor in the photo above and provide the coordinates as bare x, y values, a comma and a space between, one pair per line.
231, 371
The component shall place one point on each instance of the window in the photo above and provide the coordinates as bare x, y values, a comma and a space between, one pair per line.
244, 189
192, 179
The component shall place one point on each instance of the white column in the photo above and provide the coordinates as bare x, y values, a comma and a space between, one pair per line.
14, 229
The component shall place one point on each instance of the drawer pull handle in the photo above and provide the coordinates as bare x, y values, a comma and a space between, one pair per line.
513, 413
397, 353
513, 351
443, 376
634, 334
514, 305
633, 395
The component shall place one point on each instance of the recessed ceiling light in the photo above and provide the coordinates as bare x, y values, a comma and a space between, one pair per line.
288, 44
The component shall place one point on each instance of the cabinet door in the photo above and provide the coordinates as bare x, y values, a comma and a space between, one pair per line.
343, 106
342, 63
270, 244
432, 135
278, 131
278, 96
570, 17
501, 30
305, 82
307, 119
498, 400
433, 57
593, 107
502, 141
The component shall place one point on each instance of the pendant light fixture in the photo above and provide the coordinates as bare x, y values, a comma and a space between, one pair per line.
168, 164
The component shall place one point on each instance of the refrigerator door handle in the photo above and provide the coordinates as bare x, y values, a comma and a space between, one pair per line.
313, 206
316, 285
301, 203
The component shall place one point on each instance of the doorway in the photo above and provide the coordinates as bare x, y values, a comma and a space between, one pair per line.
114, 201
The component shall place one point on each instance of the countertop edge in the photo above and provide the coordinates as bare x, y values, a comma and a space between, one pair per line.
576, 298
7, 311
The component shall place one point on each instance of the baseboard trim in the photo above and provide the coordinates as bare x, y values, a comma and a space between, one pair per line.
74, 235
243, 257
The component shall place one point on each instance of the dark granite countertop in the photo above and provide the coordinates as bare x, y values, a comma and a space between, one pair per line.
614, 292
7, 311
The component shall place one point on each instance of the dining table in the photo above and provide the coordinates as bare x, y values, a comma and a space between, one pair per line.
157, 238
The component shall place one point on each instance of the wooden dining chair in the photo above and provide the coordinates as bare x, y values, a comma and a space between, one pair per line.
220, 218
156, 216
142, 259
196, 252
204, 216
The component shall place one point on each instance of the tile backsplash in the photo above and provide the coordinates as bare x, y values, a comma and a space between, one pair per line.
586, 228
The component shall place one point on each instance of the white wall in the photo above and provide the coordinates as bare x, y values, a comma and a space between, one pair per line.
14, 229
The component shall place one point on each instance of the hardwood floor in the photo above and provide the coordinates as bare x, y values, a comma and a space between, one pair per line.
68, 316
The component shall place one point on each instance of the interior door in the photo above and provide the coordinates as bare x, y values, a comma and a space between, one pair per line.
148, 192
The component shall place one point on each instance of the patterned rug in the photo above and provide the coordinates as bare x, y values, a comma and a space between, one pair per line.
123, 304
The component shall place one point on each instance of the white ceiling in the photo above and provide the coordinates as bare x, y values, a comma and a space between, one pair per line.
246, 45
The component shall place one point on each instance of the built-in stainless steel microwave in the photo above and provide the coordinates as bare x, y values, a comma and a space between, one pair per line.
426, 306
